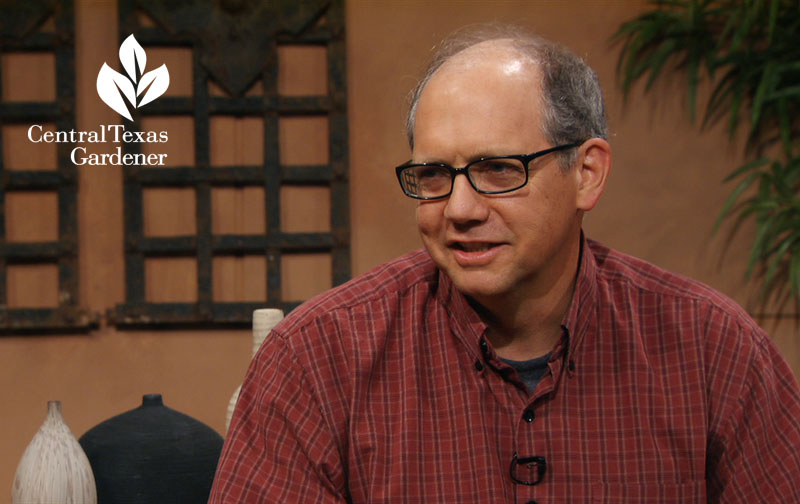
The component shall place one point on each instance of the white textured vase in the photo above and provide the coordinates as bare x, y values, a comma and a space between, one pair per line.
54, 468
264, 319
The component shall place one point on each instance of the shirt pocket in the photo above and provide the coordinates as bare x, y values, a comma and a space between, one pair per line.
649, 493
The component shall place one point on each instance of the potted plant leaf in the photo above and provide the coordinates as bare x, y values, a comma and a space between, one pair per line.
749, 51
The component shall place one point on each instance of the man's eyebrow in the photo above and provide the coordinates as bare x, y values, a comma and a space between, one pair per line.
473, 157
484, 154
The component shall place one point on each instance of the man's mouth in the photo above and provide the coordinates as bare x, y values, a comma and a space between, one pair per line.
474, 254
473, 246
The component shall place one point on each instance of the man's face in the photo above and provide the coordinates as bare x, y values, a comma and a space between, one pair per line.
516, 244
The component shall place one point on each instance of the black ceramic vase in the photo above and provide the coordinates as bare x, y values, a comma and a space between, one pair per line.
152, 454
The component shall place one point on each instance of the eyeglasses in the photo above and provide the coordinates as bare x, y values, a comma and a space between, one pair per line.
489, 175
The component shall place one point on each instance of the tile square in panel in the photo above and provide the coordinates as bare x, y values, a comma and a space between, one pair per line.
179, 65
179, 145
302, 70
169, 211
32, 285
28, 76
171, 280
25, 148
239, 278
238, 210
237, 141
31, 216
304, 140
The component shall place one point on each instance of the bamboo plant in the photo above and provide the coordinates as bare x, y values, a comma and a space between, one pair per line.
749, 50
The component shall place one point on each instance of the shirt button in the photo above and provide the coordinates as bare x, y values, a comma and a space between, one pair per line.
531, 502
528, 415
484, 346
478, 365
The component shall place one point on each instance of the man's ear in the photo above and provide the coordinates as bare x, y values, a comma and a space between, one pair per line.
594, 165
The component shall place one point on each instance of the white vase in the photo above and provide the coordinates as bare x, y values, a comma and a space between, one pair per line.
54, 468
264, 319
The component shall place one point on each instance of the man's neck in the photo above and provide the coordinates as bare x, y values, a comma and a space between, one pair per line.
524, 326
529, 330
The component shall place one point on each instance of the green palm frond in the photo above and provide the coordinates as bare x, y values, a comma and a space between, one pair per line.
749, 51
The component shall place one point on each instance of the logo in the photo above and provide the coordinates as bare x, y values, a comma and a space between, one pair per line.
120, 91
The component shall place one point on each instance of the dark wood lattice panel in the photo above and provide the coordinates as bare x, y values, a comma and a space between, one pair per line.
37, 30
235, 46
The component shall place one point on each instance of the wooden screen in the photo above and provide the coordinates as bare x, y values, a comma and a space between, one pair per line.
38, 181
251, 208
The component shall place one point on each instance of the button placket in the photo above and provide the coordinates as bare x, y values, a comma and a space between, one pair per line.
479, 363
531, 466
528, 415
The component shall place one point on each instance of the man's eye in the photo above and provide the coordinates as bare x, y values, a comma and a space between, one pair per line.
430, 172
498, 168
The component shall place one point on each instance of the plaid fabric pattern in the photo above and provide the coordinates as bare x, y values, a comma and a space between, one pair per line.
384, 390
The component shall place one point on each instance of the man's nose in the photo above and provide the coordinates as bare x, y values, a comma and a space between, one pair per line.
465, 204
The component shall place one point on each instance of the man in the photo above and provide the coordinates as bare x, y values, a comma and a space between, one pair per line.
513, 360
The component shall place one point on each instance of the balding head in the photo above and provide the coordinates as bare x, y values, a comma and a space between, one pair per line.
485, 96
502, 51
572, 107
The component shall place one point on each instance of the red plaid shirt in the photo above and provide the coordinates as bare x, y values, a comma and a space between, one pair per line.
385, 391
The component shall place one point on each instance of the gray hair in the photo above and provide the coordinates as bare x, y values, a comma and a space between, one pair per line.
572, 99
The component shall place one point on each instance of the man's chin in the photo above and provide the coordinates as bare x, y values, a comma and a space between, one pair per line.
480, 286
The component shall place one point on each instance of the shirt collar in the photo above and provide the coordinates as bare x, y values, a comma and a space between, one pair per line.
465, 321
580, 314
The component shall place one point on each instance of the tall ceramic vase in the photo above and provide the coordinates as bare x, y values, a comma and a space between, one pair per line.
54, 467
264, 320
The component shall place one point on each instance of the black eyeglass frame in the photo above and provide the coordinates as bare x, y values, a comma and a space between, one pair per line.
525, 159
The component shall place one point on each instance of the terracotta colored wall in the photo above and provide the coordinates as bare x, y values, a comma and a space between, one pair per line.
663, 197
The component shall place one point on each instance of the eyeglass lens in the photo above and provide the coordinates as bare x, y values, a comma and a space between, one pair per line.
490, 175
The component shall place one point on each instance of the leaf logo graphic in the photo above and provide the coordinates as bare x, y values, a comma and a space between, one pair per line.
119, 91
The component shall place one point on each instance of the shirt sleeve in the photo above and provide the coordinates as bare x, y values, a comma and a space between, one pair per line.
754, 440
279, 447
